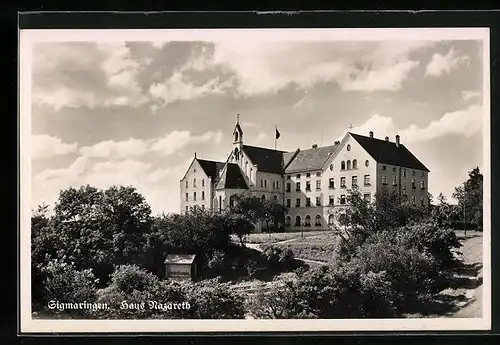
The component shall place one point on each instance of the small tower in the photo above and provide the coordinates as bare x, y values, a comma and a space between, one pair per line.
237, 140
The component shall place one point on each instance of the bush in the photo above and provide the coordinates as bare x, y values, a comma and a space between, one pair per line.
279, 258
212, 299
63, 283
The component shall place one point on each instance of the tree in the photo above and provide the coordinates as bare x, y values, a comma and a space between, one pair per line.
273, 213
238, 224
470, 199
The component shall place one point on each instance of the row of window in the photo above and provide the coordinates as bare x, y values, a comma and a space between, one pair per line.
331, 184
194, 196
298, 201
403, 171
195, 207
308, 175
194, 183
307, 221
395, 183
263, 184
348, 166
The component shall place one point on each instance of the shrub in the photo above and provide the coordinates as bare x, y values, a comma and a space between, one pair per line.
65, 284
279, 258
212, 299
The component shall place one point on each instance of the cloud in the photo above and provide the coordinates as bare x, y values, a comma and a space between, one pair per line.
262, 136
466, 122
250, 125
300, 103
45, 146
470, 95
116, 149
387, 78
85, 74
444, 64
177, 140
157, 185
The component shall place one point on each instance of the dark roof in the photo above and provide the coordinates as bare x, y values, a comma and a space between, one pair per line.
180, 258
267, 160
232, 178
387, 152
211, 168
311, 159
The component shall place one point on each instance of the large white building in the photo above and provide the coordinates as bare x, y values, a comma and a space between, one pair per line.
312, 183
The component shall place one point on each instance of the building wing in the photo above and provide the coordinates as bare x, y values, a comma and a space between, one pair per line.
267, 160
310, 159
388, 152
211, 168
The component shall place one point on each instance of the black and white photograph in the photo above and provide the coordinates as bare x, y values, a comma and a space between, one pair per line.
255, 180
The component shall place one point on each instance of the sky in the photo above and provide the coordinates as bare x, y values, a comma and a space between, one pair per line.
135, 112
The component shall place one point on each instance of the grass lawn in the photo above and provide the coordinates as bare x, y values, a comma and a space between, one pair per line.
265, 238
318, 248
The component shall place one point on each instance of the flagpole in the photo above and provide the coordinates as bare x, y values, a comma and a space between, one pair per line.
275, 140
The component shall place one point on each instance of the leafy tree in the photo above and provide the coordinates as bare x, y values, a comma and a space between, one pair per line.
274, 214
250, 206
238, 224
470, 199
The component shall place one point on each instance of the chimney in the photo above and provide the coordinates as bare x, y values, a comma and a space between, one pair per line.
195, 155
386, 138
315, 146
397, 140
371, 134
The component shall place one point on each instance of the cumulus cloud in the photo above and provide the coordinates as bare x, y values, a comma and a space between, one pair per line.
470, 95
466, 122
177, 140
262, 136
444, 64
46, 146
116, 149
157, 185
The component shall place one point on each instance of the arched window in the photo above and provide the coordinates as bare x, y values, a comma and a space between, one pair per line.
354, 164
297, 221
331, 219
235, 136
342, 165
367, 163
263, 197
275, 198
308, 221
318, 220
236, 154
288, 221
348, 165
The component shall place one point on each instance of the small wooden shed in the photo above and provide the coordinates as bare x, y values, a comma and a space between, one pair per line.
180, 266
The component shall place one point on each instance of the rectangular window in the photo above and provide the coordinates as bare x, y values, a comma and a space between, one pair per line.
413, 184
277, 184
354, 181
288, 187
422, 174
265, 183
297, 202
393, 169
194, 183
318, 174
318, 185
342, 182
308, 175
298, 176
318, 201
413, 173
274, 185
404, 190
331, 183
404, 173
394, 181
422, 185
187, 184
342, 199
288, 177
308, 186
194, 196
308, 202
413, 200
366, 197
330, 200
187, 196
203, 207
202, 195
422, 202
187, 208
261, 184
367, 180
384, 179
203, 182
297, 186
288, 203
384, 167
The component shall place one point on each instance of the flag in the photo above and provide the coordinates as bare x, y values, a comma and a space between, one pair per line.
277, 134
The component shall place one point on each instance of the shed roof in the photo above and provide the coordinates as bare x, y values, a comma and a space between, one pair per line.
180, 258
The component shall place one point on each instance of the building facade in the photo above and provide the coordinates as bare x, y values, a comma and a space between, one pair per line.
313, 183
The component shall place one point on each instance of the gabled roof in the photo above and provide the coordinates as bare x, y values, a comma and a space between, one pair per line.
388, 152
267, 160
232, 178
311, 159
211, 168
